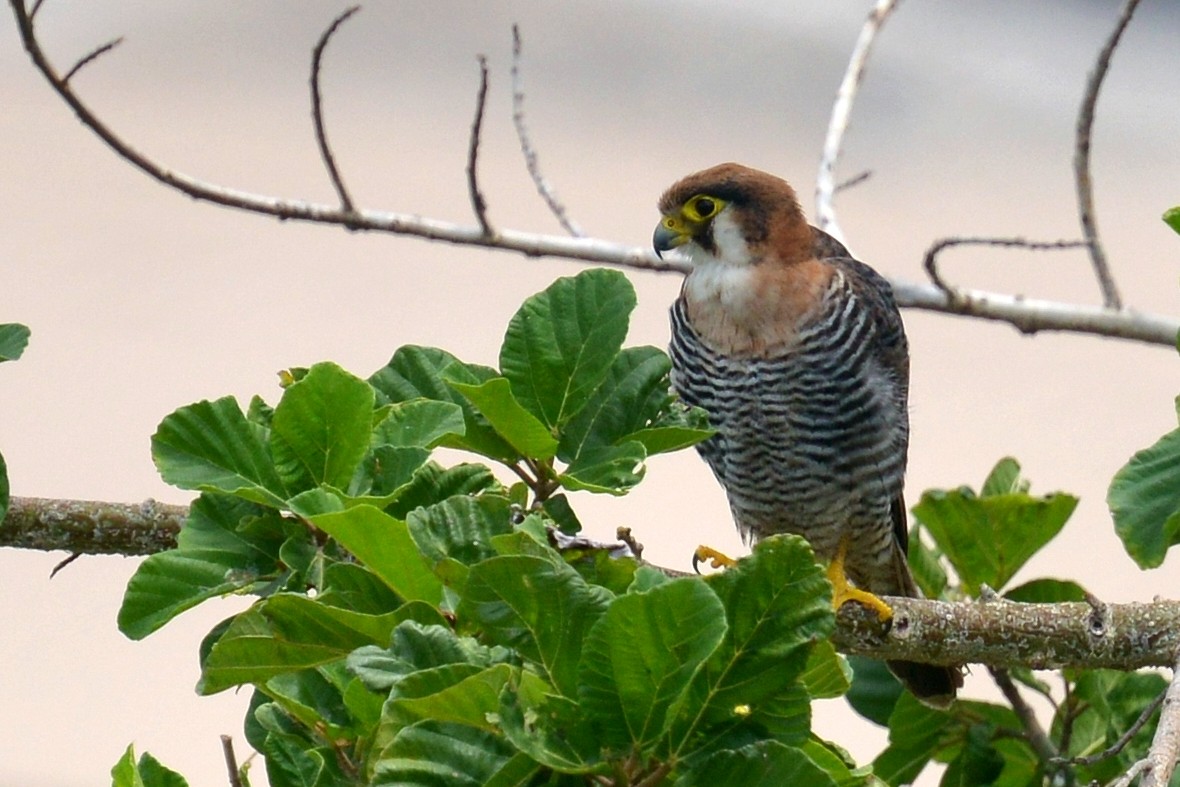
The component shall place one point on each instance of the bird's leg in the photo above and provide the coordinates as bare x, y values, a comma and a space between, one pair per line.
715, 559
843, 591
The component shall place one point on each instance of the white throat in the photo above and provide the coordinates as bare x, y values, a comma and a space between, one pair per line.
726, 277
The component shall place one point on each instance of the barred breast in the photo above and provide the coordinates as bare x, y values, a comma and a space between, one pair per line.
812, 440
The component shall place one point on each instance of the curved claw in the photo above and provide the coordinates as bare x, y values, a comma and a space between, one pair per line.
715, 559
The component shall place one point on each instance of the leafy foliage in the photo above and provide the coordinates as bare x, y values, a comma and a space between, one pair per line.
415, 625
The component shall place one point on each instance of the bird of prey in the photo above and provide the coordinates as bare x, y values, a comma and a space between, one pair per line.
798, 354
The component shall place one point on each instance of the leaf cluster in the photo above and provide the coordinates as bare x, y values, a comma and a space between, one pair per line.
414, 625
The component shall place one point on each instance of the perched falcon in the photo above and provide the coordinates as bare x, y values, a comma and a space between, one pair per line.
798, 354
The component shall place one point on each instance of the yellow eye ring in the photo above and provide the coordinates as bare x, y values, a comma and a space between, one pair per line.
703, 207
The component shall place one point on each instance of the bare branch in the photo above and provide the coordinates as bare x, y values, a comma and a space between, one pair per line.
231, 761
825, 182
91, 527
90, 58
526, 146
1081, 160
1030, 315
317, 109
928, 262
1034, 733
1027, 315
477, 201
36, 8
1156, 768
1116, 747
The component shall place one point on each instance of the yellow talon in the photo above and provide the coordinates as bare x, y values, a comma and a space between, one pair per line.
710, 555
843, 591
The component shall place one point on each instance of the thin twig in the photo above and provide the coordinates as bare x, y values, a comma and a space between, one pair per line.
1081, 160
1034, 733
1124, 739
73, 556
929, 261
90, 58
1165, 745
855, 180
825, 182
317, 109
526, 146
36, 8
478, 204
231, 762
1026, 314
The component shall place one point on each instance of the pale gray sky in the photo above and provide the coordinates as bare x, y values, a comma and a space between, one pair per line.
142, 301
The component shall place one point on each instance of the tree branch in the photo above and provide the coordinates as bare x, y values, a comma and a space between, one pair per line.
478, 204
1156, 768
929, 261
825, 181
90, 526
1027, 315
1081, 160
317, 110
1008, 634
526, 146
1034, 733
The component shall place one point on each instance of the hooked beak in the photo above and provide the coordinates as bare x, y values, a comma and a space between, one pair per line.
670, 233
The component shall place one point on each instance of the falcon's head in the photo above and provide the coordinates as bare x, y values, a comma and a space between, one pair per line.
734, 215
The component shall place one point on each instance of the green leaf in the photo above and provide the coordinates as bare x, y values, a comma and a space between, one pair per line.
914, 738
1047, 591
540, 608
561, 343
427, 372
321, 428
386, 473
168, 583
639, 659
520, 428
926, 565
460, 528
147, 772
432, 484
384, 545
1004, 479
778, 604
611, 469
291, 762
309, 697
762, 763
634, 403
548, 730
352, 586
420, 423
827, 673
211, 446
461, 693
439, 754
14, 338
287, 633
988, 539
1144, 499
874, 691
1172, 218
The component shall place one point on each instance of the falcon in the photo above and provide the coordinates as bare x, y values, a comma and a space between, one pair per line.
798, 354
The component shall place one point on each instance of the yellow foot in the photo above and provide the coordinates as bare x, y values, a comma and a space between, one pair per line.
711, 556
843, 591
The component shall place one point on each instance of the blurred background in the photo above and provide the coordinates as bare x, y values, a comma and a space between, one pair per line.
141, 301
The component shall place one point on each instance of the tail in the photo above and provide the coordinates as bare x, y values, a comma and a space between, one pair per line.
931, 684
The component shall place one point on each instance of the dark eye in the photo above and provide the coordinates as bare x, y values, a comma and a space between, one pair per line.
705, 207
